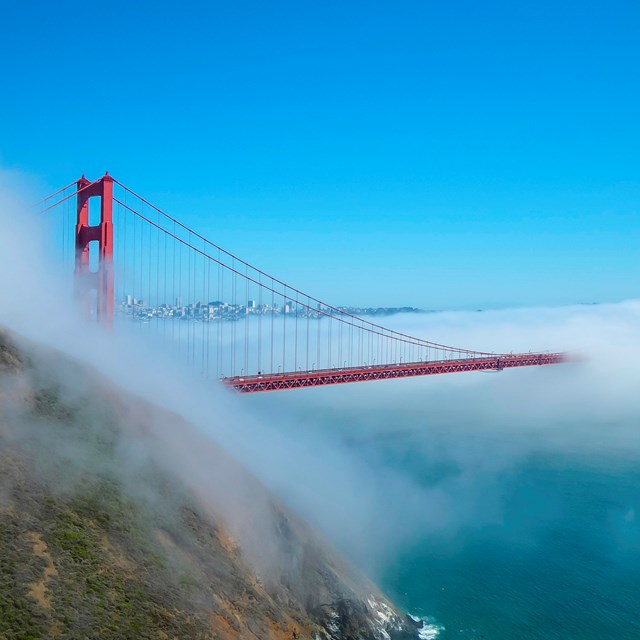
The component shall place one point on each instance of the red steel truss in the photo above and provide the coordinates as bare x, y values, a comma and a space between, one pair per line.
300, 379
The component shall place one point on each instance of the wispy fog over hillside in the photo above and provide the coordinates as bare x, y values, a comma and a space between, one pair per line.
307, 445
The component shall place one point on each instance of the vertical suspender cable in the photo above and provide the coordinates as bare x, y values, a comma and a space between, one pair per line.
308, 310
208, 312
320, 318
189, 300
272, 321
284, 328
234, 285
204, 304
329, 363
295, 350
259, 323
246, 322
220, 309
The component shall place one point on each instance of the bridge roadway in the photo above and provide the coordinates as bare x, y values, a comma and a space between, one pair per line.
299, 379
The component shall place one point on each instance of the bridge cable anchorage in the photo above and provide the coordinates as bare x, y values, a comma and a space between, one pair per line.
229, 319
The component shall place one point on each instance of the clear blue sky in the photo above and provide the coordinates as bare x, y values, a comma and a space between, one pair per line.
441, 154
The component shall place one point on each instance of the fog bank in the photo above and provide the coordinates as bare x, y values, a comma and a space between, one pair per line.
329, 452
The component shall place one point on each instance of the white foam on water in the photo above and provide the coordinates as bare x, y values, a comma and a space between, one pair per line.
430, 628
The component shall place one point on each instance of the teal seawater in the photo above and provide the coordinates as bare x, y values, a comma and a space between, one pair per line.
562, 562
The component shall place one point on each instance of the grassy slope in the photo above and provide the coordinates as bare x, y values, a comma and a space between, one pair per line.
82, 556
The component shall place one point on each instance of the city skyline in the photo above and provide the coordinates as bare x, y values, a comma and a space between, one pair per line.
222, 310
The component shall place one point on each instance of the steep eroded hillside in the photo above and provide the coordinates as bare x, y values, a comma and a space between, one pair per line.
101, 538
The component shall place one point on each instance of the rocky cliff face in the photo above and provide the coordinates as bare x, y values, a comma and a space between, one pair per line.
105, 531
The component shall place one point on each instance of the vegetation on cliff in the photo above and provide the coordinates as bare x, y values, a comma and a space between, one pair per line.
99, 539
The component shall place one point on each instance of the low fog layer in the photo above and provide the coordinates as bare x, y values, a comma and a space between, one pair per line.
314, 447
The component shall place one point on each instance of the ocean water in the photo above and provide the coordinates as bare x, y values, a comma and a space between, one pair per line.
497, 507
517, 532
562, 561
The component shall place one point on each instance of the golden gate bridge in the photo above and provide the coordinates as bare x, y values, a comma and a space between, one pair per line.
133, 261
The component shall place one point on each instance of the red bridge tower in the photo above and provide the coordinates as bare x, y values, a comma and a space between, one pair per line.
95, 287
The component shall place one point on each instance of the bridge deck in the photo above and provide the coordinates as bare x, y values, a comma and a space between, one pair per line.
299, 379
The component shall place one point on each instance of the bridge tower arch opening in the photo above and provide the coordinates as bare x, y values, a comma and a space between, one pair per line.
94, 286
